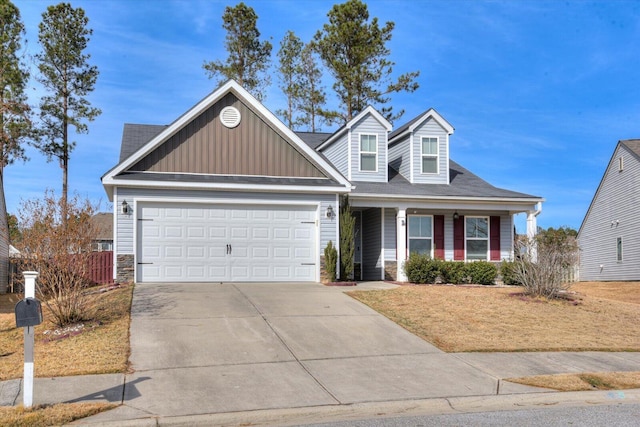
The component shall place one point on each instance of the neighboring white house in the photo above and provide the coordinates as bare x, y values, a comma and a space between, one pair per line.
228, 193
4, 242
609, 235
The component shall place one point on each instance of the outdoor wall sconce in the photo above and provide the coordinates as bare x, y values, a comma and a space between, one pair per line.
402, 222
330, 212
125, 207
456, 216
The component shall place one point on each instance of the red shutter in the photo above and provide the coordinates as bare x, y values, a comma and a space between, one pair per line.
494, 238
438, 236
458, 238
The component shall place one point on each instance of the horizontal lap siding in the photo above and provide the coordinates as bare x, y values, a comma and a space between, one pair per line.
613, 214
371, 244
399, 158
125, 223
338, 154
433, 129
368, 125
390, 234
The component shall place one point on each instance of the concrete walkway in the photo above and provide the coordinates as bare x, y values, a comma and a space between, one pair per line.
201, 351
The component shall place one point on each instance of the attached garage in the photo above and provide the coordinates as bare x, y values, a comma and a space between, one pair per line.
178, 242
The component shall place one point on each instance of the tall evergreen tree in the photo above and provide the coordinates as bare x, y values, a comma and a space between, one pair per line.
355, 52
249, 58
15, 117
68, 79
312, 95
289, 58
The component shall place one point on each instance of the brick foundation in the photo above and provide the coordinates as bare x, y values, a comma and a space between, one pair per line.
124, 269
390, 270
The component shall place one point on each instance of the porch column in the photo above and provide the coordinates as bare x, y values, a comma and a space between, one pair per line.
401, 243
532, 230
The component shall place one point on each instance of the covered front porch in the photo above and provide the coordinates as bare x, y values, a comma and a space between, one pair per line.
387, 231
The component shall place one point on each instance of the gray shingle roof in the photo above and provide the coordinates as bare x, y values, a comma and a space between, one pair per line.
314, 139
135, 136
463, 183
632, 144
224, 179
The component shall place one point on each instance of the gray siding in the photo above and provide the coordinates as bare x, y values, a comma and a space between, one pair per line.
124, 243
369, 125
390, 240
399, 158
338, 154
430, 128
371, 244
4, 242
613, 213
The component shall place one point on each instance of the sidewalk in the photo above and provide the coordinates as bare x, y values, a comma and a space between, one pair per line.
120, 388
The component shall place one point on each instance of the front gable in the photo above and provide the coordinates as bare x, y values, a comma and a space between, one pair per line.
228, 134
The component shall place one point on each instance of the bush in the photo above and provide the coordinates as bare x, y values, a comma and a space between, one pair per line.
421, 268
508, 273
481, 272
453, 272
331, 260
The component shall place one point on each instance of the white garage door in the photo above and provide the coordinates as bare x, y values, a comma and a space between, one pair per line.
218, 243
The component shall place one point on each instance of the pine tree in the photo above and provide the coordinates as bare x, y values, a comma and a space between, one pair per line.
354, 50
15, 113
249, 58
289, 58
68, 79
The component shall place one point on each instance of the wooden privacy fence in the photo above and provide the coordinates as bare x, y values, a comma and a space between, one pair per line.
100, 267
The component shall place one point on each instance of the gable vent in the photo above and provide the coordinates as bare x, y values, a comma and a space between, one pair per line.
230, 117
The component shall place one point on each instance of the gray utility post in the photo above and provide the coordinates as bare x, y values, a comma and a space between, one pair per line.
29, 334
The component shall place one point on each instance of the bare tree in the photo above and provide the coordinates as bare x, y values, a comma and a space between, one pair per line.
59, 253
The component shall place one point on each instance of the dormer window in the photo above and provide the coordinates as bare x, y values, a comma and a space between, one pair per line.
429, 155
368, 153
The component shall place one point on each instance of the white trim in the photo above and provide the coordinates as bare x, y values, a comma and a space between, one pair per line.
114, 273
211, 99
448, 158
432, 238
360, 152
487, 239
401, 242
412, 156
620, 255
349, 154
369, 110
431, 113
423, 155
382, 246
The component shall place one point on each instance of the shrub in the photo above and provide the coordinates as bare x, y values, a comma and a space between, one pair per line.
453, 272
421, 268
481, 272
508, 273
331, 260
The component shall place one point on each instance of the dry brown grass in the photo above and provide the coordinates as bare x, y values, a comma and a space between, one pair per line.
101, 347
584, 381
459, 318
617, 291
53, 415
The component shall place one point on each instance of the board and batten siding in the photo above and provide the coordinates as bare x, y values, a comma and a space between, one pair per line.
613, 213
399, 158
372, 244
125, 223
431, 128
369, 126
338, 154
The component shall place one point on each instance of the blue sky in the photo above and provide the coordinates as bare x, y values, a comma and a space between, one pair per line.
539, 92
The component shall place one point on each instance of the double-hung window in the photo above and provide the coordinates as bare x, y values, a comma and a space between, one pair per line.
369, 153
477, 238
429, 155
421, 234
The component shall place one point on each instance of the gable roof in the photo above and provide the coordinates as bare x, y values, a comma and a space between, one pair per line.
633, 145
103, 226
367, 111
412, 124
134, 150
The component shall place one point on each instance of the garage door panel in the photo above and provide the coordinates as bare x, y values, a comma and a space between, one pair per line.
226, 243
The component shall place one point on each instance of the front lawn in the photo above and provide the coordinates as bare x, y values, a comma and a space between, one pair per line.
483, 318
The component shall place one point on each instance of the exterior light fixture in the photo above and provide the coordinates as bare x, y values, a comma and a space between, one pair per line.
330, 213
125, 207
456, 216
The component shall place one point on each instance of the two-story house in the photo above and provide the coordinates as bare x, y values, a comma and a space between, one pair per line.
228, 193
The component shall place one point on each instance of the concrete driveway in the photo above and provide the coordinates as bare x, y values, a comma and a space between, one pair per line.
211, 348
